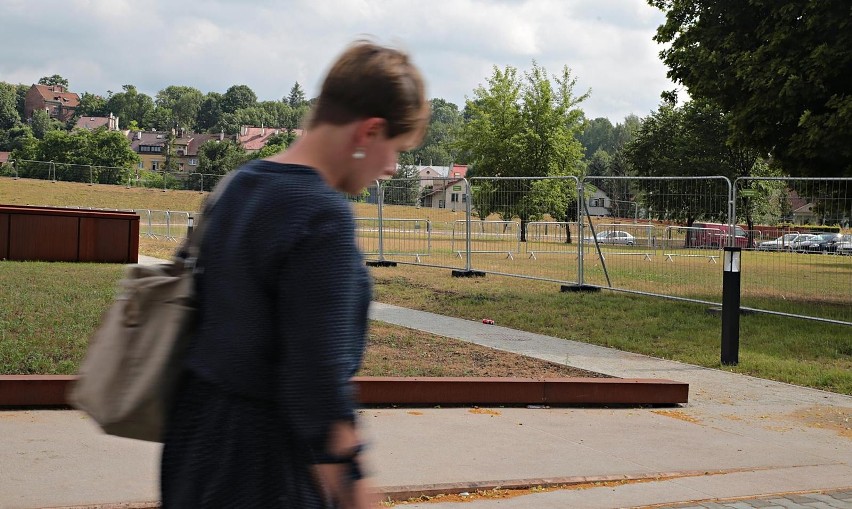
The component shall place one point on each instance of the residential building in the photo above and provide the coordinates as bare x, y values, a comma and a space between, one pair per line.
92, 123
252, 138
151, 146
443, 187
59, 103
599, 204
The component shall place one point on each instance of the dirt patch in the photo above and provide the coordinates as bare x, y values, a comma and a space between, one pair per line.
835, 419
677, 414
398, 351
484, 411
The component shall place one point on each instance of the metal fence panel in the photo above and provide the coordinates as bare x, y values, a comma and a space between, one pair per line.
412, 221
656, 235
801, 263
525, 227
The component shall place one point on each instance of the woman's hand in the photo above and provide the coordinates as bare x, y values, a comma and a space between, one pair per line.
336, 480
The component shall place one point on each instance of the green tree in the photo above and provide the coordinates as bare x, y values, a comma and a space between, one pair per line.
102, 149
54, 80
219, 157
523, 128
437, 147
402, 188
16, 138
682, 141
238, 97
276, 113
599, 164
780, 69
296, 99
597, 135
209, 112
91, 105
160, 118
43, 124
184, 104
9, 116
131, 105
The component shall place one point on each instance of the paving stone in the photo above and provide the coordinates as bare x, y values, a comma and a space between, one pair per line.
831, 500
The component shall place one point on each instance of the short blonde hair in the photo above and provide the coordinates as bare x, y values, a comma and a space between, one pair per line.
369, 80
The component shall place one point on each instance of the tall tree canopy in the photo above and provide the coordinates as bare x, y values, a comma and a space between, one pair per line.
688, 140
108, 152
91, 105
131, 105
238, 97
54, 80
780, 68
523, 127
183, 104
9, 116
297, 96
437, 147
209, 111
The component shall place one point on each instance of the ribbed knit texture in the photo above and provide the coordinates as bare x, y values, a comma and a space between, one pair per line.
283, 297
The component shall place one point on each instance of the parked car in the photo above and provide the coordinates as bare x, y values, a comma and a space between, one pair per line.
797, 243
845, 245
716, 235
821, 243
616, 237
780, 244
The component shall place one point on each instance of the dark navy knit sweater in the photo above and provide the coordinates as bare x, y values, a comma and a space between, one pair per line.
283, 301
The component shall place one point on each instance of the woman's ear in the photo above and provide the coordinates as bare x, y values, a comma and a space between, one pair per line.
369, 130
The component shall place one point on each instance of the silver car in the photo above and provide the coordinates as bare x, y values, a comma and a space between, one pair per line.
798, 244
844, 247
616, 237
780, 244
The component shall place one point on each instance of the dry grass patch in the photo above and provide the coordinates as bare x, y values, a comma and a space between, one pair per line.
398, 351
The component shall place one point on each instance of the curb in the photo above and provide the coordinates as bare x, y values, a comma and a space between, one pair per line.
404, 493
51, 390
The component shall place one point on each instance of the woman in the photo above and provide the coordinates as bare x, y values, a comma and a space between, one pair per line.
265, 414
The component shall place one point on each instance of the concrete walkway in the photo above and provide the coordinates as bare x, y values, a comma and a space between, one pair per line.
739, 438
751, 436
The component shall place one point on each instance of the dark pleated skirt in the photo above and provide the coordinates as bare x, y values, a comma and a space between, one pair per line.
224, 451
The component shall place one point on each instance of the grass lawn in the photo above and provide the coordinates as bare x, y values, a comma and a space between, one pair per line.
47, 310
785, 349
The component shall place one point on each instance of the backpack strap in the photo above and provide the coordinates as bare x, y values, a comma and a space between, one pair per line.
187, 254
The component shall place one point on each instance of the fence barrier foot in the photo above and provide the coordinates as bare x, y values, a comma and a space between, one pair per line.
468, 273
380, 263
579, 288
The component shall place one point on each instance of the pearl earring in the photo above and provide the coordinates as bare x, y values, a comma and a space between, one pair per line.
359, 154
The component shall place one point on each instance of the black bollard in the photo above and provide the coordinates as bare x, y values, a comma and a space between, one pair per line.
731, 306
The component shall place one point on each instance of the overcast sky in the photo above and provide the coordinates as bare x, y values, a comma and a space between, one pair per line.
100, 45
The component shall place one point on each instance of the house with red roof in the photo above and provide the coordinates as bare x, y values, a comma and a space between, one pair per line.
151, 146
92, 123
252, 138
442, 187
59, 103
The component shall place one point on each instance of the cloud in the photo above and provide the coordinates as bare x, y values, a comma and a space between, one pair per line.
99, 45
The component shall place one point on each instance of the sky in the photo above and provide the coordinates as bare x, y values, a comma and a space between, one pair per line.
100, 45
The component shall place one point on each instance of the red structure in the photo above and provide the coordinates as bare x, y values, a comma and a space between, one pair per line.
68, 235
